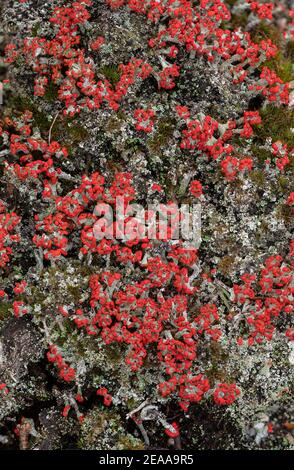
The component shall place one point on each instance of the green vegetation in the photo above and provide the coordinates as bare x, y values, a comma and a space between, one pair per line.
5, 310
165, 129
276, 123
36, 29
264, 31
111, 73
282, 66
51, 93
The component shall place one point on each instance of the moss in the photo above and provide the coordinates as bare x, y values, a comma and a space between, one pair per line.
114, 124
104, 430
283, 184
129, 442
264, 226
258, 178
93, 426
132, 403
75, 292
281, 63
77, 133
51, 93
5, 310
37, 296
165, 129
49, 286
264, 30
219, 358
261, 154
111, 73
262, 231
289, 52
238, 21
226, 264
231, 3
35, 29
284, 212
114, 167
282, 66
65, 130
23, 103
114, 353
276, 124
290, 167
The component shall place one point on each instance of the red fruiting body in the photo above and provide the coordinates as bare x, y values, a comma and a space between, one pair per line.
225, 394
196, 188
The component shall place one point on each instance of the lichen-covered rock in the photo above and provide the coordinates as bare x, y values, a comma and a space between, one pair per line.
143, 343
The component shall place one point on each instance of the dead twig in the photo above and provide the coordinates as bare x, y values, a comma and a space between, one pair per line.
51, 127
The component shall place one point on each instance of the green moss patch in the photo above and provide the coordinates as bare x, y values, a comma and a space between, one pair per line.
276, 123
